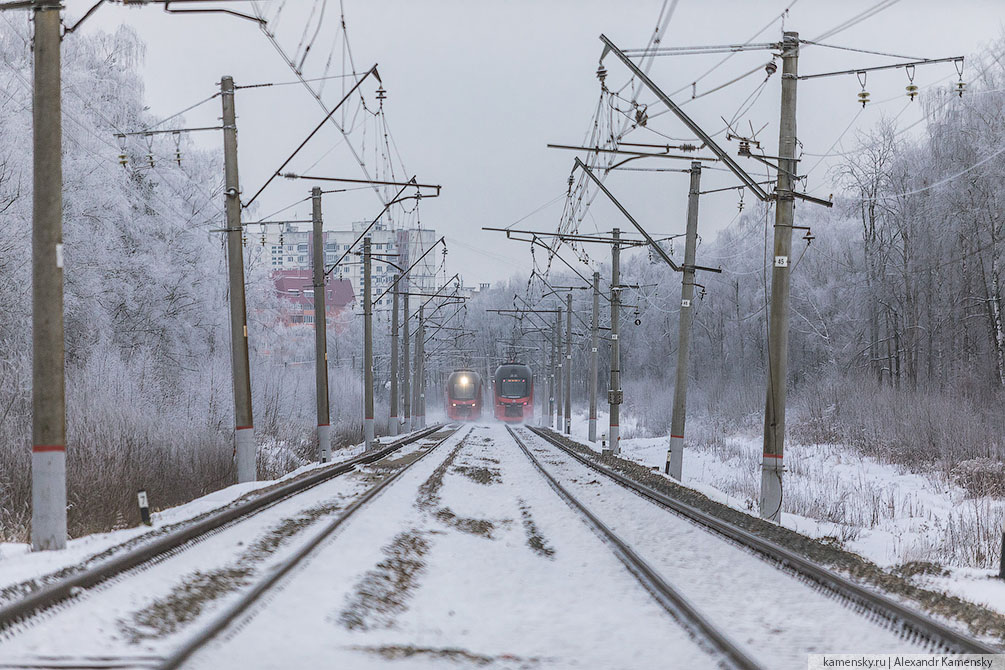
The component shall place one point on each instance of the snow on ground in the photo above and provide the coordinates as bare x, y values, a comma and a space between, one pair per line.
490, 568
18, 563
881, 511
146, 613
706, 570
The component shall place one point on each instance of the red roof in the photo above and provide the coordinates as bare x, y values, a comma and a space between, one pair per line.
292, 285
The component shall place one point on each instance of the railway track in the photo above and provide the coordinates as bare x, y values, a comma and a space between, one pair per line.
59, 591
238, 609
909, 623
680, 608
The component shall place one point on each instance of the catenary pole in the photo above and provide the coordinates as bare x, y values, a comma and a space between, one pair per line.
420, 372
551, 376
675, 454
406, 367
544, 391
594, 341
393, 422
320, 330
48, 451
244, 431
367, 346
568, 363
559, 375
778, 320
614, 394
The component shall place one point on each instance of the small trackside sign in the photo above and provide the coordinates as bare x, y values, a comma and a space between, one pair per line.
781, 261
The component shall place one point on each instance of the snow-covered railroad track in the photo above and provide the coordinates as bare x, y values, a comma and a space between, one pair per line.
910, 624
698, 625
777, 615
468, 561
240, 607
232, 547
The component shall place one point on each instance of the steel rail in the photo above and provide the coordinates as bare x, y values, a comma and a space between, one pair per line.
908, 621
50, 595
673, 602
238, 608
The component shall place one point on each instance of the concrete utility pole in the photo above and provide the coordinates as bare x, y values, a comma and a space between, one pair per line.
551, 376
48, 388
244, 432
778, 320
568, 363
320, 331
594, 341
614, 394
559, 374
544, 392
419, 391
675, 454
367, 347
406, 368
394, 426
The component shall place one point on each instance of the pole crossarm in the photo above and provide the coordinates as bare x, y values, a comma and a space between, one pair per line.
371, 182
895, 66
534, 241
373, 71
659, 250
749, 181
146, 133
367, 229
525, 311
636, 154
567, 237
405, 272
530, 310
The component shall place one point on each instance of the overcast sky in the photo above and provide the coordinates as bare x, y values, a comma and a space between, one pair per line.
477, 89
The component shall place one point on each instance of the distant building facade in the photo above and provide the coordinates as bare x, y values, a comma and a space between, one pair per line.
296, 288
291, 249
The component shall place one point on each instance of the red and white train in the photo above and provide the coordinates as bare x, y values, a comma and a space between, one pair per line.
464, 395
514, 393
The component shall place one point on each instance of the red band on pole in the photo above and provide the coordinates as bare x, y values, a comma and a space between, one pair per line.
245, 427
678, 436
772, 455
43, 448
322, 425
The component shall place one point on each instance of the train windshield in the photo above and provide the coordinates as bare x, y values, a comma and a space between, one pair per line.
512, 387
463, 387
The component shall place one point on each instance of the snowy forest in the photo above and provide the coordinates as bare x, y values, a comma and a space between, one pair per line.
897, 336
149, 395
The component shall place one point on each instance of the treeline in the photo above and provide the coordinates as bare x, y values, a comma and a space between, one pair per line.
149, 396
897, 341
